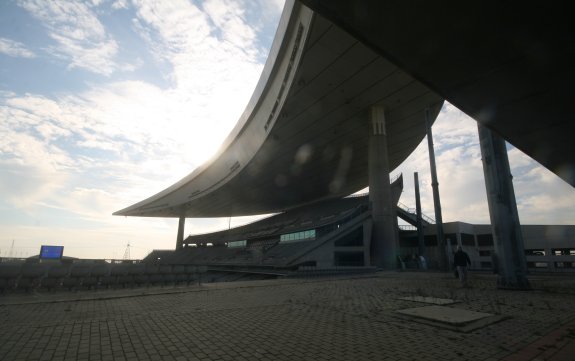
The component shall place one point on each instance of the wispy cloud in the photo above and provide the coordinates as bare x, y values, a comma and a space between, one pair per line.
152, 136
15, 49
229, 18
120, 4
30, 169
542, 197
85, 154
459, 171
81, 38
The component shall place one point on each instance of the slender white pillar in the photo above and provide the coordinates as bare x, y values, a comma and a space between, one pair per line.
419, 222
444, 263
180, 239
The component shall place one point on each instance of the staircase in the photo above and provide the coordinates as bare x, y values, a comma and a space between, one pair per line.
410, 215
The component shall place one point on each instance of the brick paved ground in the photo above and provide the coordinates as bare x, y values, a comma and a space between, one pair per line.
322, 319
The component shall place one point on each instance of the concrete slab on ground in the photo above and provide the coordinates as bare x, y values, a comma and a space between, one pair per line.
451, 316
454, 319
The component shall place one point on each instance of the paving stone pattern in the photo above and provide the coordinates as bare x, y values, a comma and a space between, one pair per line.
323, 319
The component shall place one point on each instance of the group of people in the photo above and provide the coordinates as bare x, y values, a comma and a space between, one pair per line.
461, 261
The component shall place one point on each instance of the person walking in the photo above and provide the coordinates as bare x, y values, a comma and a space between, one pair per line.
461, 261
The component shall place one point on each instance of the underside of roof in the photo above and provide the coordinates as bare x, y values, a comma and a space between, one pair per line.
304, 135
507, 65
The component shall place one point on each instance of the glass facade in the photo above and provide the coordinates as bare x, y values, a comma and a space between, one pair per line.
237, 244
298, 236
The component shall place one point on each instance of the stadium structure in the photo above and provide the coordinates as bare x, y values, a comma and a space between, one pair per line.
328, 117
334, 236
340, 103
349, 90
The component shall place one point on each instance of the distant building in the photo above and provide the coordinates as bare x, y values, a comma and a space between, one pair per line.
547, 247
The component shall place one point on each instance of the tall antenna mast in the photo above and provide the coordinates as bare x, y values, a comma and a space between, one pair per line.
11, 252
127, 252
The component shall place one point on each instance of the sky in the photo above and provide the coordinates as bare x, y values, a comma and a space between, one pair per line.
104, 103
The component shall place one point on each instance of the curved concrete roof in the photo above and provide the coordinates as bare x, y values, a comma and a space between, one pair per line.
304, 134
506, 64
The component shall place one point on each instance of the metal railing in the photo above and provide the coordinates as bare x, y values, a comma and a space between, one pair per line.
414, 212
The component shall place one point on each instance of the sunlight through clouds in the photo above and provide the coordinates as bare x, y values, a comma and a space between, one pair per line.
85, 154
115, 100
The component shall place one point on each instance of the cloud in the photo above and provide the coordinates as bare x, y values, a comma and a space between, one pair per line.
205, 50
175, 26
120, 4
81, 38
79, 156
31, 170
15, 49
229, 18
458, 162
131, 136
542, 197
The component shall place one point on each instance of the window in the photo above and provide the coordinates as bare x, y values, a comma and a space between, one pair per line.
298, 236
451, 238
237, 244
467, 239
485, 240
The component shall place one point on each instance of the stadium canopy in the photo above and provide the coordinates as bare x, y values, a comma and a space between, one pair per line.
508, 65
303, 136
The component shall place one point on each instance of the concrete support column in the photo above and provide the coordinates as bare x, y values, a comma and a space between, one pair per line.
503, 211
419, 223
180, 239
384, 243
367, 231
444, 263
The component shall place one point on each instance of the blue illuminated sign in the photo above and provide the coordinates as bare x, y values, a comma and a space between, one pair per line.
51, 252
